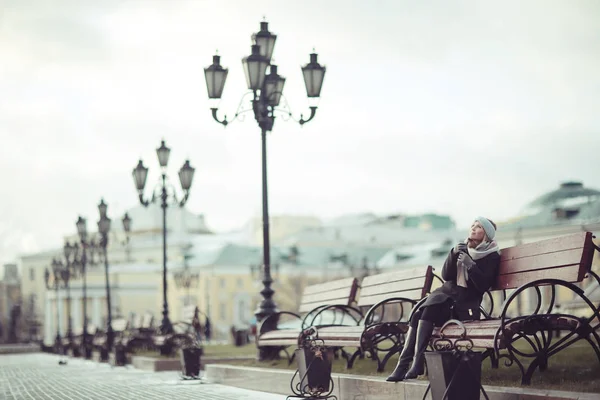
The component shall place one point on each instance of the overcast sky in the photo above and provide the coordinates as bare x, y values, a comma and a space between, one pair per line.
456, 107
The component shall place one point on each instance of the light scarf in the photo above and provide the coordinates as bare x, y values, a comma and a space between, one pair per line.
484, 248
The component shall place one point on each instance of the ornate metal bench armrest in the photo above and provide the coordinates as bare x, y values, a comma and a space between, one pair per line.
536, 285
368, 319
310, 318
267, 321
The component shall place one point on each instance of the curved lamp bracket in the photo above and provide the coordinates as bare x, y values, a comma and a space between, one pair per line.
286, 110
238, 113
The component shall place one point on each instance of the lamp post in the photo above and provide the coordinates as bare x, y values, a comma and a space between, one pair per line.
83, 256
267, 92
184, 278
53, 282
127, 228
186, 175
64, 275
103, 229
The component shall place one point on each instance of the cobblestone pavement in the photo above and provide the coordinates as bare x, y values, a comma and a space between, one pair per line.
39, 377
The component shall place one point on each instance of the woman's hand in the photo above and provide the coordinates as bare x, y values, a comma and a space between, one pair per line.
466, 260
460, 247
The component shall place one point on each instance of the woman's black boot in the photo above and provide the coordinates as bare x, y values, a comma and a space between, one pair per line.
424, 331
408, 351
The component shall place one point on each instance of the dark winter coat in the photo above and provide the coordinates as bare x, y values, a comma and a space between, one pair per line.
466, 301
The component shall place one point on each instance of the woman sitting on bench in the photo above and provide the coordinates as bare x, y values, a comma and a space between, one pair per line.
469, 271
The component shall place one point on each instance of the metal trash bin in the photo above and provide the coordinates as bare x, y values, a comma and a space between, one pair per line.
454, 370
312, 379
240, 337
462, 382
190, 358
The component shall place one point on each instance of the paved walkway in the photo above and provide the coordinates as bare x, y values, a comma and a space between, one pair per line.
39, 377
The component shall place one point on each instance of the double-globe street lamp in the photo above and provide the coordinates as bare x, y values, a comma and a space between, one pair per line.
104, 229
127, 228
184, 278
186, 175
55, 281
267, 92
81, 255
66, 274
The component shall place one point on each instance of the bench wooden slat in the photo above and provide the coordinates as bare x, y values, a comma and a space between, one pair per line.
393, 287
567, 242
565, 258
282, 333
370, 300
137, 321
511, 281
338, 292
147, 321
328, 286
326, 330
283, 343
343, 343
398, 275
119, 324
543, 261
336, 296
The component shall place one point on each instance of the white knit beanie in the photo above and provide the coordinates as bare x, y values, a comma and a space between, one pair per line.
489, 229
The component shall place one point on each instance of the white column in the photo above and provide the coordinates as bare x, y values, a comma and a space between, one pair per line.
61, 313
48, 321
96, 315
76, 313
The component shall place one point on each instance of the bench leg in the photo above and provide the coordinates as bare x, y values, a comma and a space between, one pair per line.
351, 358
493, 359
268, 353
287, 355
543, 362
381, 365
375, 357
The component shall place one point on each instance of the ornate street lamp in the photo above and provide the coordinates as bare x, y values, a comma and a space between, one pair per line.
127, 228
184, 278
82, 255
53, 282
65, 273
104, 229
186, 176
267, 92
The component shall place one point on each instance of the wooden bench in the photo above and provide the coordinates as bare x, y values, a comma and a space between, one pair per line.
139, 333
542, 269
100, 339
330, 302
389, 298
183, 333
78, 347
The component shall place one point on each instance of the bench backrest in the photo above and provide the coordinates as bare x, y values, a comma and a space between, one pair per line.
136, 321
566, 258
147, 320
338, 292
187, 313
413, 283
119, 324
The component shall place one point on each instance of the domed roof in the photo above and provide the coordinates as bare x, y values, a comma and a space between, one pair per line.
567, 190
179, 219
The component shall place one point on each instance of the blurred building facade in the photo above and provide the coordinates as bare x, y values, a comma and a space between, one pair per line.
229, 265
304, 250
10, 304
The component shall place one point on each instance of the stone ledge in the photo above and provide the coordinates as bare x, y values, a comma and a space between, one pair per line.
157, 364
19, 348
366, 388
